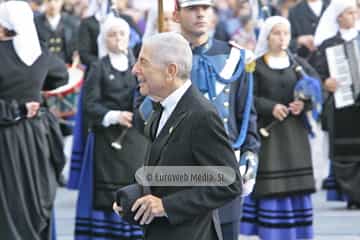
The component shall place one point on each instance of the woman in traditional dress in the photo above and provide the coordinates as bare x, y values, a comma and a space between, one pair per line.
115, 150
280, 206
338, 26
30, 139
89, 30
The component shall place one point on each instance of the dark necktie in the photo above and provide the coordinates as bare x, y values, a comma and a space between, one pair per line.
155, 119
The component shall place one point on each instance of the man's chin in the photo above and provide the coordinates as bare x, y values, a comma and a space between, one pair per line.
143, 92
200, 33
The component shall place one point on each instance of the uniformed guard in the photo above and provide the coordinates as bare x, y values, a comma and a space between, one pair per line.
223, 73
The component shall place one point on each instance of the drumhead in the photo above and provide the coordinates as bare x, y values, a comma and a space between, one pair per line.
76, 76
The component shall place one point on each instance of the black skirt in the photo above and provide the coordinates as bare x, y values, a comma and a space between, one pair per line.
114, 168
285, 166
345, 150
30, 163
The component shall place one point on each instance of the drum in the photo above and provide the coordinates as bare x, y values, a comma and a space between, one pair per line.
63, 100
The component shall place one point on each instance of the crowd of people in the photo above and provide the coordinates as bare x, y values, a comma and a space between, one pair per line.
246, 84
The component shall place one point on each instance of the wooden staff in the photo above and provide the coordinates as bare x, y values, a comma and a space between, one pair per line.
160, 16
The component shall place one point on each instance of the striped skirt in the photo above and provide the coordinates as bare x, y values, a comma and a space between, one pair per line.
94, 224
285, 218
77, 155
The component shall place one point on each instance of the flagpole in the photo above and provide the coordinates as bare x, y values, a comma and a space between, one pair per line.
160, 16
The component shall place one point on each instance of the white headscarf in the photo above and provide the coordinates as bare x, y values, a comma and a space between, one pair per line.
98, 9
18, 16
328, 25
118, 61
262, 46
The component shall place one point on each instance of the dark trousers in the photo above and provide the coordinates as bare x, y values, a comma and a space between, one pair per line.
230, 231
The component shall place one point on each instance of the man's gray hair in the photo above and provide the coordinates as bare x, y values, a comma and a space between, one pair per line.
171, 48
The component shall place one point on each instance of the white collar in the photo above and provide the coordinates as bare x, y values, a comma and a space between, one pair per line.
316, 7
278, 62
98, 16
54, 21
119, 61
171, 101
348, 34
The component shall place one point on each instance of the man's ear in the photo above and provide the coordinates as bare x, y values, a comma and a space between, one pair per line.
176, 16
172, 70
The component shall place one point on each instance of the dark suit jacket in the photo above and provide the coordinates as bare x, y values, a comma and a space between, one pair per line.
68, 27
304, 22
193, 136
88, 33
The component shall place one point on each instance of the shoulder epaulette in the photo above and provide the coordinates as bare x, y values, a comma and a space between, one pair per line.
249, 56
232, 43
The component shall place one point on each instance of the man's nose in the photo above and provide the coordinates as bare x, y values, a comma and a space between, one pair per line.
134, 70
200, 11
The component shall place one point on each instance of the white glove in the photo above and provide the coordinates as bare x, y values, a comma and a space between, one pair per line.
117, 117
248, 169
247, 187
111, 118
250, 162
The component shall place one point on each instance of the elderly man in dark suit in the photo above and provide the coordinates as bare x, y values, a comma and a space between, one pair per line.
188, 133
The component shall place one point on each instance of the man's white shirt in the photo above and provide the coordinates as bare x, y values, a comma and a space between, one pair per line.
170, 102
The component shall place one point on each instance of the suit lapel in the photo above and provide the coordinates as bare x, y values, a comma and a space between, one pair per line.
324, 6
177, 116
309, 12
46, 26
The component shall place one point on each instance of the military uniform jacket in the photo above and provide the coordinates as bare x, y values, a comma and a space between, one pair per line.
218, 52
230, 103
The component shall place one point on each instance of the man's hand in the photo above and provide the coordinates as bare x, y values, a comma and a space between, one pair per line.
148, 207
125, 118
117, 209
32, 109
330, 84
307, 41
248, 168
